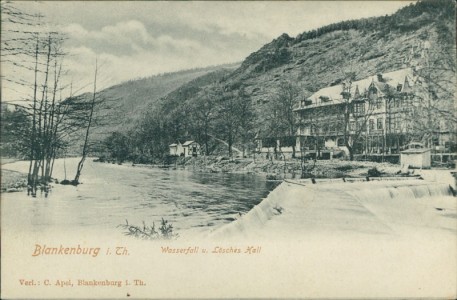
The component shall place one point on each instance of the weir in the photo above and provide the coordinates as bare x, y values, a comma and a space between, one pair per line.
399, 191
334, 206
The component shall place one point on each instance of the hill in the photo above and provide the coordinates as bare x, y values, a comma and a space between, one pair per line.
124, 103
326, 56
360, 48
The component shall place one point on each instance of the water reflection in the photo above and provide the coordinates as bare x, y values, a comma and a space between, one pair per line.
110, 194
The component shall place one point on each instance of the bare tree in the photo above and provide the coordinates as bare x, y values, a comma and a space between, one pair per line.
245, 118
356, 112
283, 121
205, 114
227, 117
88, 127
433, 110
30, 49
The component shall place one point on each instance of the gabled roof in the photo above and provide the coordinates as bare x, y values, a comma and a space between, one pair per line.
357, 92
381, 87
187, 143
406, 88
173, 145
178, 142
389, 80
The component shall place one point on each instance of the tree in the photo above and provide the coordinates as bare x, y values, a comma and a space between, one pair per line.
228, 124
88, 127
245, 118
283, 122
433, 112
15, 130
204, 113
118, 146
32, 56
356, 111
153, 134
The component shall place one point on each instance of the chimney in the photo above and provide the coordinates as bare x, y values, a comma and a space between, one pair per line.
380, 77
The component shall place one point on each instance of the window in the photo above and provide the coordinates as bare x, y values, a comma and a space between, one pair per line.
371, 104
352, 126
397, 121
379, 123
371, 124
360, 126
325, 128
378, 103
359, 108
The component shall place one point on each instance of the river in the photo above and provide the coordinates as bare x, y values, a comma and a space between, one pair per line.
335, 236
193, 202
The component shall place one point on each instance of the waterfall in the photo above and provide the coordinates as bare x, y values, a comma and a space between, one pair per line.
305, 207
394, 190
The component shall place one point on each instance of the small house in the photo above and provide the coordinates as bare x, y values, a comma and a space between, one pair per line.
416, 157
176, 149
191, 148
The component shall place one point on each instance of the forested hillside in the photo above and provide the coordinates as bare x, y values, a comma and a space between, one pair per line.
256, 100
123, 103
325, 56
228, 107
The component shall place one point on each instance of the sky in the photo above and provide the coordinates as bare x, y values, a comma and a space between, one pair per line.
134, 39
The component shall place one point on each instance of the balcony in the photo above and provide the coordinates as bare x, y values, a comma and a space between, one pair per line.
310, 105
376, 132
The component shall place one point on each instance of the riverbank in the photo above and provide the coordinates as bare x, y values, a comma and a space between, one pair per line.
12, 181
288, 169
272, 169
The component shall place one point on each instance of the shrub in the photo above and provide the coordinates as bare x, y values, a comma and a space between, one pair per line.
272, 177
165, 231
344, 168
374, 172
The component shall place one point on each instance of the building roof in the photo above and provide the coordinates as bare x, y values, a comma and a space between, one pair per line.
415, 151
187, 143
406, 86
173, 145
332, 94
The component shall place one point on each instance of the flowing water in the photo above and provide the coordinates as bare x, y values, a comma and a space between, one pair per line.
386, 208
111, 194
196, 203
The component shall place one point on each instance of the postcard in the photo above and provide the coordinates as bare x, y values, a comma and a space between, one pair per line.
228, 149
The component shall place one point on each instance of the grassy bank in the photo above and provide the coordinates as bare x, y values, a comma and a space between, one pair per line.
13, 181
